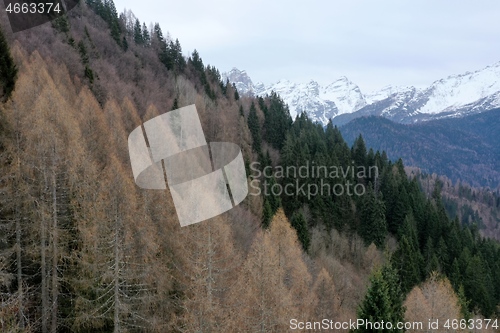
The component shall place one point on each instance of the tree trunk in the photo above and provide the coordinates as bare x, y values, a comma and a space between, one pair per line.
43, 242
116, 317
210, 277
19, 269
18, 239
55, 289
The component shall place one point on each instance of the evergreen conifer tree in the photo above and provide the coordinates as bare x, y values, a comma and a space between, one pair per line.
299, 223
373, 226
267, 214
138, 37
383, 302
8, 70
254, 126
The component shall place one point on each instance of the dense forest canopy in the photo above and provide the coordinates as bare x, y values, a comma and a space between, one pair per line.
82, 249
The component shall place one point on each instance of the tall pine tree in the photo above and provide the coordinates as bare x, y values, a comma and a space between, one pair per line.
254, 126
8, 70
383, 302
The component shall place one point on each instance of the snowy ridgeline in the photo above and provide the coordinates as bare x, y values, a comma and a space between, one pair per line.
342, 100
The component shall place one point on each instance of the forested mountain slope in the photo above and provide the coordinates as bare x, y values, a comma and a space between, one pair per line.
460, 148
83, 249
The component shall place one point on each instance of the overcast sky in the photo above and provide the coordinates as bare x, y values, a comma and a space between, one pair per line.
373, 43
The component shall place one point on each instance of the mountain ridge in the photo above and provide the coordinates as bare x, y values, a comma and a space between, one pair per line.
342, 100
466, 148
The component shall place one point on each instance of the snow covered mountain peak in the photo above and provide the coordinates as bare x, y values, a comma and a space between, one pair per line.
321, 102
459, 90
342, 100
385, 92
345, 94
240, 78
